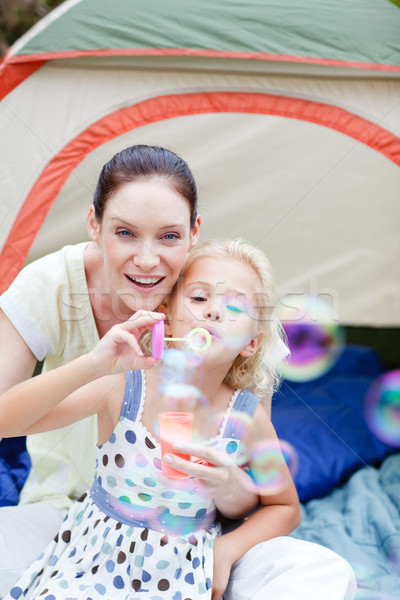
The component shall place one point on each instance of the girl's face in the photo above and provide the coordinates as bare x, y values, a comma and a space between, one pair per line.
218, 295
144, 237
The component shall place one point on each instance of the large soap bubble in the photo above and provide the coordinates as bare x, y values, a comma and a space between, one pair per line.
382, 408
315, 338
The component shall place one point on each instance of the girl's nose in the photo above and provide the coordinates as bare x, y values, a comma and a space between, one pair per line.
213, 313
146, 257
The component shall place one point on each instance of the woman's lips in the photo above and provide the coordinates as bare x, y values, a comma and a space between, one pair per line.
145, 283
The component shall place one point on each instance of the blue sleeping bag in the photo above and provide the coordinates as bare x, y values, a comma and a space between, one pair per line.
323, 420
14, 468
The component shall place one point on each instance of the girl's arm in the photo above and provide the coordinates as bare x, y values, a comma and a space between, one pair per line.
278, 515
219, 478
34, 405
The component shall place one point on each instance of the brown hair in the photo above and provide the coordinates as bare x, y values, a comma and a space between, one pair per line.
143, 162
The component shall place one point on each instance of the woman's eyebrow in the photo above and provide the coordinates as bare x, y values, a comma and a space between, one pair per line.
132, 226
122, 222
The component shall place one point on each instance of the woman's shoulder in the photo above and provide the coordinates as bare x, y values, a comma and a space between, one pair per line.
54, 266
46, 298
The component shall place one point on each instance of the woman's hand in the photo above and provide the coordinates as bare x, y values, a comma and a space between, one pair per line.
119, 349
223, 561
220, 478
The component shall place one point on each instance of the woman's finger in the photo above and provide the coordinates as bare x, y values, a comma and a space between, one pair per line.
140, 319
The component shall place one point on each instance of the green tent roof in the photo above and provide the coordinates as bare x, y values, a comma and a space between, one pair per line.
349, 32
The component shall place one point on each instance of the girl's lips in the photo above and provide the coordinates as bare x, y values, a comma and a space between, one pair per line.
213, 332
145, 283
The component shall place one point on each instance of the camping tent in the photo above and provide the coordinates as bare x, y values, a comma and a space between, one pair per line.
288, 113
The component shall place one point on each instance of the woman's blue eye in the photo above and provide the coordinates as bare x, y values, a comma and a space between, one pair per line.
170, 236
124, 233
235, 309
198, 298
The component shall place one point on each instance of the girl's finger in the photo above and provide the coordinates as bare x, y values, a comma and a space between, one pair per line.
210, 474
214, 457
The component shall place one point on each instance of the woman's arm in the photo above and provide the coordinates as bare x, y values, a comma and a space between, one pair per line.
32, 405
17, 362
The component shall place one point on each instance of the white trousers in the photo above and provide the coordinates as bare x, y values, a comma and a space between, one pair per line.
286, 568
282, 568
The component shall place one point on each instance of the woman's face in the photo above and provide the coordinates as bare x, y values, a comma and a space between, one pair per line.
144, 238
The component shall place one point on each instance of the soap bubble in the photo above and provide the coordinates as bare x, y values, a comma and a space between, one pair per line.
273, 463
315, 338
178, 497
239, 434
368, 594
173, 368
382, 408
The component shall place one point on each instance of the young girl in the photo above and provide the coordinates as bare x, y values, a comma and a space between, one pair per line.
134, 532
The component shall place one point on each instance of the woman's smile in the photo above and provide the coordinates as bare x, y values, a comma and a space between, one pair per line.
144, 282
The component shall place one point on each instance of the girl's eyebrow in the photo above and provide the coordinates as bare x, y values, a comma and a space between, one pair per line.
230, 291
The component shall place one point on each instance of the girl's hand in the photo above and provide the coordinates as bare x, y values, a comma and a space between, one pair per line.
222, 566
220, 478
119, 349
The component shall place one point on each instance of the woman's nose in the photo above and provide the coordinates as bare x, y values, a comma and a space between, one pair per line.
146, 257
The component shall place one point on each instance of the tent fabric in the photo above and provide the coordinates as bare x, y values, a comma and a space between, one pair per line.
353, 32
54, 176
302, 160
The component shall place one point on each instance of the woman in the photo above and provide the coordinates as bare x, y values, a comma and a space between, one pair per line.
142, 224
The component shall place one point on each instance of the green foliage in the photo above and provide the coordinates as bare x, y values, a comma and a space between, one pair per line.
17, 16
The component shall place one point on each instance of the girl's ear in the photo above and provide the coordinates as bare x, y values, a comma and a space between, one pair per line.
163, 308
253, 345
92, 225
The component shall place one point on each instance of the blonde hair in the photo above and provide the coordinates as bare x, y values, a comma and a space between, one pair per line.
257, 372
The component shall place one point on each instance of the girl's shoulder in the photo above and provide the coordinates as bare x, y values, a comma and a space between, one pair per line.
246, 402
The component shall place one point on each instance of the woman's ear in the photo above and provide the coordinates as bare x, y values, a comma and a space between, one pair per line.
92, 225
195, 233
253, 345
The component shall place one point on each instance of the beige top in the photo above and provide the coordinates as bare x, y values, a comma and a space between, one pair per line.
49, 305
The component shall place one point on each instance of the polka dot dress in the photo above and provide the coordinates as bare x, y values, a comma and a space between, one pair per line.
135, 534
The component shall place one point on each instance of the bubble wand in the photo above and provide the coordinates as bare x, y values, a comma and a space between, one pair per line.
159, 338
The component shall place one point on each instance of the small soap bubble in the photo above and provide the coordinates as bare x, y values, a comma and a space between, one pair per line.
314, 337
174, 368
273, 463
363, 572
382, 408
237, 426
369, 594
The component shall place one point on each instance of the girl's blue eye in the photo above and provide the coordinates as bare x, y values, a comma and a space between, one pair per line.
235, 309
